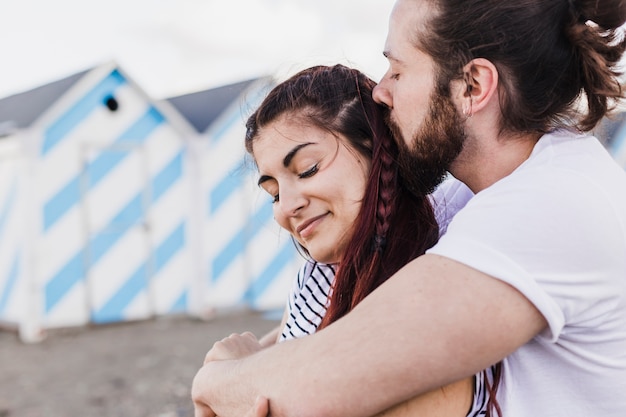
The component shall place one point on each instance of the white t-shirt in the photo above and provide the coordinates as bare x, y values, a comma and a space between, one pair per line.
555, 229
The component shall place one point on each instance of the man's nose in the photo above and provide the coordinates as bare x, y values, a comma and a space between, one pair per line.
382, 95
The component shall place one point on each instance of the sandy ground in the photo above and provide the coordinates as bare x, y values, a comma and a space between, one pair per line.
140, 369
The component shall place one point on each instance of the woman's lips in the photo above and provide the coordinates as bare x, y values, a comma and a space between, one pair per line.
307, 228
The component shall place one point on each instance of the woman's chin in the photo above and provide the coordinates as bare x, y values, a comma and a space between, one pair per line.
324, 257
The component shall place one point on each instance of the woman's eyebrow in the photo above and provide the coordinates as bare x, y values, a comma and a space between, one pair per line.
286, 161
262, 179
292, 153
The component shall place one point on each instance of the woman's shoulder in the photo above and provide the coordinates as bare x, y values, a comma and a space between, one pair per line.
451, 191
318, 272
450, 197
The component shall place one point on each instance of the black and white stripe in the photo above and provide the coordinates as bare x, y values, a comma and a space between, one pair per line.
308, 300
481, 395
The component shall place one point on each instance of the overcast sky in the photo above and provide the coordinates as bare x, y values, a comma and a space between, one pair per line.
172, 47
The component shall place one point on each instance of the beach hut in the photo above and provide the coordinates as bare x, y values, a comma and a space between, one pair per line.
116, 207
95, 204
245, 259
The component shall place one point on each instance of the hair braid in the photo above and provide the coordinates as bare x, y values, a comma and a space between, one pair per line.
387, 234
384, 174
387, 185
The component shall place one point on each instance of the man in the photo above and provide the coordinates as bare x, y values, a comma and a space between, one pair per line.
532, 271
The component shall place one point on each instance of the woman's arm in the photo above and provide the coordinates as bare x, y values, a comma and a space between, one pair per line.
273, 335
269, 338
237, 346
454, 400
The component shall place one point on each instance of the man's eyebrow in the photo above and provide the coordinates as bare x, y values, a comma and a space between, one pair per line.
292, 153
390, 56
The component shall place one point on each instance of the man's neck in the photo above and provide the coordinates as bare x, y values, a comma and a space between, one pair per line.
485, 161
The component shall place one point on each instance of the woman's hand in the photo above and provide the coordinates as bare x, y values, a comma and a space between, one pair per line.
235, 346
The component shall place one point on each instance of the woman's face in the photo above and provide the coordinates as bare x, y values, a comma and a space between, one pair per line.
316, 181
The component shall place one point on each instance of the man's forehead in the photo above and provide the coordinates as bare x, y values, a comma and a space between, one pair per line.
409, 17
392, 57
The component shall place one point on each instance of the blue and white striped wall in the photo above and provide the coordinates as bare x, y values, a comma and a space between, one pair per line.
123, 215
13, 296
113, 202
249, 261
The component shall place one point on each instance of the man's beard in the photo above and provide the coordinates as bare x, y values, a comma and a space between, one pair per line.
425, 162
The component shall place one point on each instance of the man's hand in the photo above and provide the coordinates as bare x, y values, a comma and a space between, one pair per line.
261, 408
202, 408
235, 346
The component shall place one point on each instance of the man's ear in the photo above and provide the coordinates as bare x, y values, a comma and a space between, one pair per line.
481, 84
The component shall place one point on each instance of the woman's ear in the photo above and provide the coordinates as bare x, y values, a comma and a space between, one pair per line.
481, 84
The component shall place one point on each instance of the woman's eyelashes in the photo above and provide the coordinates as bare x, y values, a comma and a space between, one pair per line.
305, 174
309, 172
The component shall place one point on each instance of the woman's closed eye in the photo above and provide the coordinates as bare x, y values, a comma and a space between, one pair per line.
306, 174
309, 172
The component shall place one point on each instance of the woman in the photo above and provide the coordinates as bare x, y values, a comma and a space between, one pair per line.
328, 161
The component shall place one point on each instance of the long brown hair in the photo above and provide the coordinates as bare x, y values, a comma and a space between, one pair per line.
393, 226
549, 55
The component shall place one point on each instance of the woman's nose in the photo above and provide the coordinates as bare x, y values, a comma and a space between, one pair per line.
291, 203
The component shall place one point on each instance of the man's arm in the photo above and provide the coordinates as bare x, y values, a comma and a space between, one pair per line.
422, 329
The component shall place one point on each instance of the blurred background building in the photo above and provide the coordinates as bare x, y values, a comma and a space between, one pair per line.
115, 206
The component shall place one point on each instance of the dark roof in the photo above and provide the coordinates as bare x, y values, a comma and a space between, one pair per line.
203, 107
22, 109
